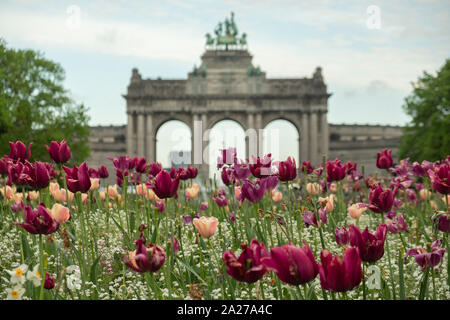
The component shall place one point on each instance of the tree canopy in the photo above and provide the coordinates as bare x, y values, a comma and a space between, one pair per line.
35, 106
427, 136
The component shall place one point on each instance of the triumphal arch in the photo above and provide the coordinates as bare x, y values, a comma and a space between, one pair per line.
227, 85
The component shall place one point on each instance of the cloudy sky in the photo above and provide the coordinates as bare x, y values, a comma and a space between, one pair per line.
368, 63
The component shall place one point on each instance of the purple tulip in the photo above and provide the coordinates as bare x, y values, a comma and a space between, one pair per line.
342, 236
292, 265
440, 178
442, 221
49, 282
227, 176
77, 178
141, 165
261, 168
340, 275
38, 221
241, 171
145, 259
154, 168
252, 192
59, 152
19, 151
287, 170
335, 170
103, 172
248, 267
381, 200
164, 186
310, 218
384, 159
398, 225
4, 165
187, 219
425, 258
306, 167
270, 182
38, 175
371, 247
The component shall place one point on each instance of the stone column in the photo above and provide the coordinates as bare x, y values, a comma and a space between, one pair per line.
196, 141
250, 125
130, 144
150, 139
258, 128
140, 135
304, 139
204, 167
325, 135
314, 150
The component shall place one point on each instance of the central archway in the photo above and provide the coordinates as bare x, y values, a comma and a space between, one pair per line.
225, 134
281, 139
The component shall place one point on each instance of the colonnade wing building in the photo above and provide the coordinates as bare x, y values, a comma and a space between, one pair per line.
228, 86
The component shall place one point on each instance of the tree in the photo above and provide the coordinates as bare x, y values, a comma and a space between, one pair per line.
35, 107
427, 137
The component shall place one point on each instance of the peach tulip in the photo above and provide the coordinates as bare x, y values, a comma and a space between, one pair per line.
54, 186
95, 183
425, 194
151, 195
355, 211
8, 192
448, 199
33, 195
206, 226
102, 195
433, 204
333, 187
327, 203
84, 197
60, 213
277, 196
313, 188
193, 191
112, 191
237, 192
61, 195
17, 197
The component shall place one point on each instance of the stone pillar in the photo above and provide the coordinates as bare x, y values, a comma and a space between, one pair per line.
204, 167
325, 135
250, 125
304, 139
314, 147
140, 135
196, 141
258, 128
130, 144
150, 139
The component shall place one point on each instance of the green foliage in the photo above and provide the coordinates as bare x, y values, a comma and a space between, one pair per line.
35, 107
427, 136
